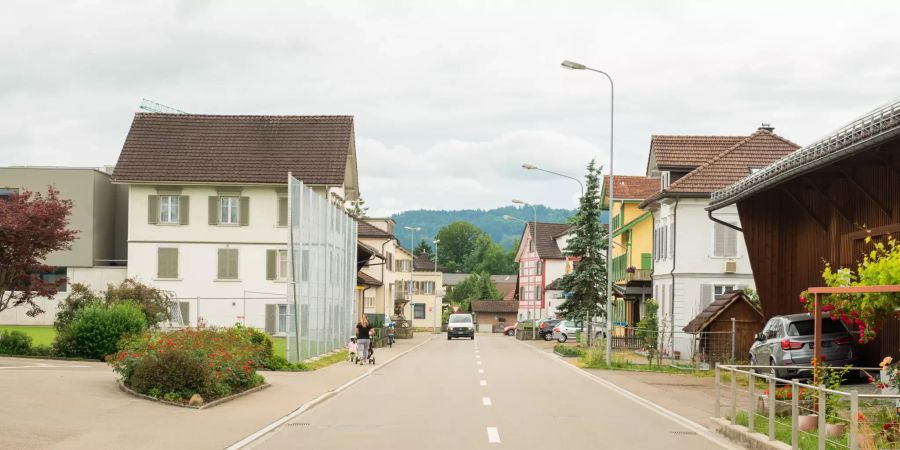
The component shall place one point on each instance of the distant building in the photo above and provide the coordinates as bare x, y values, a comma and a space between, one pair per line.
541, 261
99, 214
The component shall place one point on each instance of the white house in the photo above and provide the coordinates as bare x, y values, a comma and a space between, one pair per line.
541, 262
207, 205
697, 256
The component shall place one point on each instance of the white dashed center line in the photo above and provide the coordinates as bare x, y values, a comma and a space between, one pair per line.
486, 401
477, 356
480, 370
483, 382
478, 362
493, 435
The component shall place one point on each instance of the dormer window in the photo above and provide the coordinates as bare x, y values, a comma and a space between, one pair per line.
664, 178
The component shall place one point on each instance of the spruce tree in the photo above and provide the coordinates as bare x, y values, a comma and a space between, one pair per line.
585, 285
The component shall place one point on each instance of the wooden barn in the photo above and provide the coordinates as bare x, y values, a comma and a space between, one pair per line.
817, 205
730, 314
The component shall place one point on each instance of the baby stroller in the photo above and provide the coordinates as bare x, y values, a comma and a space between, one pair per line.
351, 349
371, 356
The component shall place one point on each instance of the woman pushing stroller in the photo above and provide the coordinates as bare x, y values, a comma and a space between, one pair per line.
363, 340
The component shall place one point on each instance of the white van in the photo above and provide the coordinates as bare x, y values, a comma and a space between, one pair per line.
460, 325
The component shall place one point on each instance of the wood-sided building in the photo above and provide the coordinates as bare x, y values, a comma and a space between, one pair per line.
817, 205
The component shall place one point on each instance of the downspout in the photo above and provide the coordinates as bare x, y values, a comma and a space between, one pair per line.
721, 222
672, 275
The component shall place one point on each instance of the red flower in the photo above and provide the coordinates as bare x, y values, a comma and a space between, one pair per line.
802, 299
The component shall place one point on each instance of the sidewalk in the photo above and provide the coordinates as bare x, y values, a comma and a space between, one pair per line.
79, 406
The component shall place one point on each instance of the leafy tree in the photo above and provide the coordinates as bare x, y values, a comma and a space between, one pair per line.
424, 247
477, 286
155, 304
753, 296
648, 329
32, 226
488, 256
457, 240
585, 285
358, 208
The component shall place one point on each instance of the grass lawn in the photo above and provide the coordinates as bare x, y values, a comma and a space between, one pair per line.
279, 347
40, 335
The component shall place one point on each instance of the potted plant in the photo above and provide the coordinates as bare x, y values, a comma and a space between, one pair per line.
832, 378
783, 402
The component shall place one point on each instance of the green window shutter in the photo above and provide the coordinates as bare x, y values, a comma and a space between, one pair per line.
270, 318
167, 263
152, 209
214, 210
646, 261
184, 208
244, 211
271, 258
282, 211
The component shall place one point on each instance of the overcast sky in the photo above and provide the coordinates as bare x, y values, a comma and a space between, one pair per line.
449, 100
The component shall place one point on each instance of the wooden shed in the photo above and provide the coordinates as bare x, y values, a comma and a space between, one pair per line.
729, 324
818, 205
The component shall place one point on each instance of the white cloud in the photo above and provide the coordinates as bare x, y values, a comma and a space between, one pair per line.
457, 94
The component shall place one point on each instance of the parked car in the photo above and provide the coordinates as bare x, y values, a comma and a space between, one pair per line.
788, 341
545, 329
511, 329
565, 330
460, 325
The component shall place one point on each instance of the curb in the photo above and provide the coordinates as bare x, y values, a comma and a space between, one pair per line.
217, 402
51, 358
741, 435
671, 415
310, 404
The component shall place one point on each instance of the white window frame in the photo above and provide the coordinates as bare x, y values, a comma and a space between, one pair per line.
719, 289
169, 209
424, 311
281, 318
281, 265
369, 302
229, 208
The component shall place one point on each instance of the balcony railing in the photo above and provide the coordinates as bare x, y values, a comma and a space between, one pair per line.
639, 275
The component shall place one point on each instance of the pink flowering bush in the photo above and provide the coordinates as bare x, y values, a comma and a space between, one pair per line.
880, 266
176, 365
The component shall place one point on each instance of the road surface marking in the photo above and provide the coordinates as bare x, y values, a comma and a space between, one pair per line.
478, 362
673, 416
477, 356
306, 406
480, 370
493, 435
486, 401
483, 382
40, 366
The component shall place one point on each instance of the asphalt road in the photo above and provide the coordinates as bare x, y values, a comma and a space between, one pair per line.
489, 393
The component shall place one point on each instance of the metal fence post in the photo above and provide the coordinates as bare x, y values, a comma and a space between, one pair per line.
795, 414
854, 419
718, 393
733, 338
733, 396
821, 430
772, 408
751, 410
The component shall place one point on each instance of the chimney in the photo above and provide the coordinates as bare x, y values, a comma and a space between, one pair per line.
766, 127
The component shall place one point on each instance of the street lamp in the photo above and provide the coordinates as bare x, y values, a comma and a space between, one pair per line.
527, 166
577, 66
534, 248
437, 313
412, 265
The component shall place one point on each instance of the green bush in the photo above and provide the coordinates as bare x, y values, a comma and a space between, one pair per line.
14, 343
174, 372
567, 350
160, 364
80, 297
95, 330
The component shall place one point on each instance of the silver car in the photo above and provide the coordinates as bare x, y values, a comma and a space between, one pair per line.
788, 341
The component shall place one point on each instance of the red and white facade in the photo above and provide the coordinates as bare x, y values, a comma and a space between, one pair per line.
539, 266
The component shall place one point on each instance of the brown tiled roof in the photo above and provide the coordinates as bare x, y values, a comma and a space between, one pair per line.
364, 279
368, 248
235, 149
366, 229
507, 289
546, 239
554, 286
717, 307
755, 151
423, 264
629, 187
494, 306
689, 151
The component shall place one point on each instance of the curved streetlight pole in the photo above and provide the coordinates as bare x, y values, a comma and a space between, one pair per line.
437, 312
576, 66
534, 244
527, 166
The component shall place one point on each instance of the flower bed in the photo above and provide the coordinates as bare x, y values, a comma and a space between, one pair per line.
180, 365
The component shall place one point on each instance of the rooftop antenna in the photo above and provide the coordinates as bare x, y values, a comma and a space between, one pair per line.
151, 106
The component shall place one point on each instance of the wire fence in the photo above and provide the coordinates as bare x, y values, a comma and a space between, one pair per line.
700, 350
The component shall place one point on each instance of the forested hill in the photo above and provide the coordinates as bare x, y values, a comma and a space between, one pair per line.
490, 221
